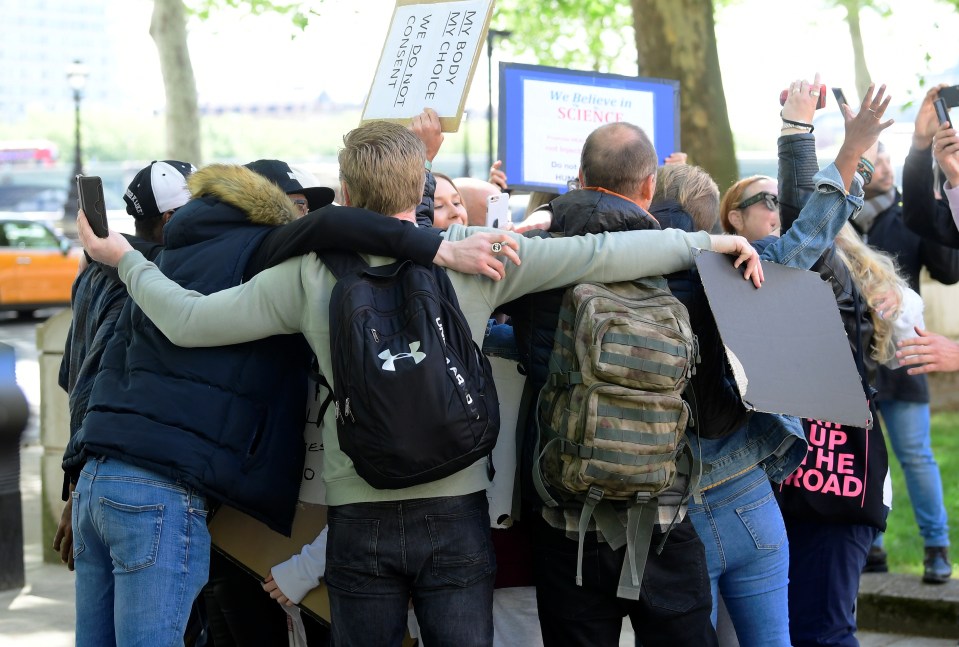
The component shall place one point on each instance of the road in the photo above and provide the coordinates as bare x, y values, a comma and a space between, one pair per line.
22, 335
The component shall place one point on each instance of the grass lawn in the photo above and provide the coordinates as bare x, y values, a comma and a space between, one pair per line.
902, 541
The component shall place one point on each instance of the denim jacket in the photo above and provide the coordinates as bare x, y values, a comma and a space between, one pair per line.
777, 442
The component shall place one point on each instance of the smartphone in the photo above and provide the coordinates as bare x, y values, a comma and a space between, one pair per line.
950, 95
90, 190
822, 97
840, 97
941, 110
497, 210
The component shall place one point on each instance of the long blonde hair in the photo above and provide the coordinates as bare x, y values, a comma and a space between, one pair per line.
874, 274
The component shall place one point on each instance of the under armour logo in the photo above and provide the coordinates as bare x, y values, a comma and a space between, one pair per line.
414, 355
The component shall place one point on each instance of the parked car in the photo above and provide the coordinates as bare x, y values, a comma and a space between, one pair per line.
37, 267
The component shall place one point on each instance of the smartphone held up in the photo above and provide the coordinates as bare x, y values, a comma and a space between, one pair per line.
90, 190
497, 210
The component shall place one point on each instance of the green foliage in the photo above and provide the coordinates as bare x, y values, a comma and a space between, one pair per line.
902, 540
593, 34
299, 12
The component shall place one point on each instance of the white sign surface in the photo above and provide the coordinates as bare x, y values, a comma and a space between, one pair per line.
558, 117
428, 60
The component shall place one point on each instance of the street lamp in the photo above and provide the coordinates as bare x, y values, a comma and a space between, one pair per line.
490, 35
77, 74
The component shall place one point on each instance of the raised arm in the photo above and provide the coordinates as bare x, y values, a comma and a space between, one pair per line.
838, 193
921, 211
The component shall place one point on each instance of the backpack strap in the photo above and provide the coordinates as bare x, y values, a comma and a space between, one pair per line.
593, 497
342, 262
640, 521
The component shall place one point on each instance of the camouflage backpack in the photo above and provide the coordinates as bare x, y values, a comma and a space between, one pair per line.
611, 419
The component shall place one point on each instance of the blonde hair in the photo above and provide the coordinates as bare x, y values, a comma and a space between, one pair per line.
382, 166
693, 189
874, 274
734, 195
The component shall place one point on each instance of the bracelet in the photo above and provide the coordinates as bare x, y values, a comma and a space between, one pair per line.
788, 127
429, 166
789, 123
863, 162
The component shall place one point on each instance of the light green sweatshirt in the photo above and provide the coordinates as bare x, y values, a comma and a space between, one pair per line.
294, 297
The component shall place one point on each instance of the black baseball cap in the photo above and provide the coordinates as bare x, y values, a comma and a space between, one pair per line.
291, 181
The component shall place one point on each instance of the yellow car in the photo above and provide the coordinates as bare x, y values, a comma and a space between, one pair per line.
37, 267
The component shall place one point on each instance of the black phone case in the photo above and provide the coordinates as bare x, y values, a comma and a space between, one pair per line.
950, 95
941, 112
90, 189
840, 96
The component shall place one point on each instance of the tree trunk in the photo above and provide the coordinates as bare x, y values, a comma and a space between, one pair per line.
168, 30
863, 78
676, 39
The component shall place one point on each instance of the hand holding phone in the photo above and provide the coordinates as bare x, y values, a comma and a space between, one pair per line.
497, 210
90, 190
942, 112
822, 96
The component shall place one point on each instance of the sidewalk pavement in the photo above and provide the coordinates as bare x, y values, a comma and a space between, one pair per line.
42, 614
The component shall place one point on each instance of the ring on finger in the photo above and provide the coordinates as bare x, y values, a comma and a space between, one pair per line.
814, 93
496, 248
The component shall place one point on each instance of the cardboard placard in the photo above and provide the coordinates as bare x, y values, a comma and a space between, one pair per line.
428, 60
257, 549
785, 342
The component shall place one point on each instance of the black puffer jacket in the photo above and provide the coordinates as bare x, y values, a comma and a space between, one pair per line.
213, 418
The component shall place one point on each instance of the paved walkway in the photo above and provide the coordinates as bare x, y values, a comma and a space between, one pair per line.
42, 613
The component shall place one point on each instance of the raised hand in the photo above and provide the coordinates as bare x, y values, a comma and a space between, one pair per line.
426, 126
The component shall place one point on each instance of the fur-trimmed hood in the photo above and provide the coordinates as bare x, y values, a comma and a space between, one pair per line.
225, 197
263, 202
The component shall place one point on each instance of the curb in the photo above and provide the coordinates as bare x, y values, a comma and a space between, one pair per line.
902, 604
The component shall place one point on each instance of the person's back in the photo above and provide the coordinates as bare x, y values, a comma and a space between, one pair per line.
618, 174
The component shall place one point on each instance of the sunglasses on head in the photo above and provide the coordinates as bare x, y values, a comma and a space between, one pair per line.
771, 201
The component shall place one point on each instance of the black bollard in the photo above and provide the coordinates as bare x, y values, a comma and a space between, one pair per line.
13, 420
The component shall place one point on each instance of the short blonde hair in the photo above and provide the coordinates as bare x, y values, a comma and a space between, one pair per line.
693, 189
734, 195
875, 274
382, 166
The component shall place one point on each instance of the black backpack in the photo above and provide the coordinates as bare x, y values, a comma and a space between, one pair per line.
414, 395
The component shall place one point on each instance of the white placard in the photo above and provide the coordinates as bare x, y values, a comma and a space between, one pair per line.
312, 489
509, 388
428, 59
558, 117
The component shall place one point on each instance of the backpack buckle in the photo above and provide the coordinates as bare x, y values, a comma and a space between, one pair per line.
594, 494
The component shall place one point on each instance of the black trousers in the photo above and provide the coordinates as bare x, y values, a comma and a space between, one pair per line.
674, 606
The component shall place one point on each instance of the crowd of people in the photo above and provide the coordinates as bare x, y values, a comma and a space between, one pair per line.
193, 342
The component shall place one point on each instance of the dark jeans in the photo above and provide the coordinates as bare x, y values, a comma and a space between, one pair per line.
674, 607
436, 552
825, 561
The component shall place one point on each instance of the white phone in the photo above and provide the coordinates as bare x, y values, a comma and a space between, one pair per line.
497, 210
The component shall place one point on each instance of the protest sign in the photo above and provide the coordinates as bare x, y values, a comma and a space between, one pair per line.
785, 342
428, 60
546, 114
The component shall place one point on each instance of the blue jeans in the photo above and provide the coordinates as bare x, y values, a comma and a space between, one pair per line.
142, 553
825, 563
907, 427
748, 556
436, 551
